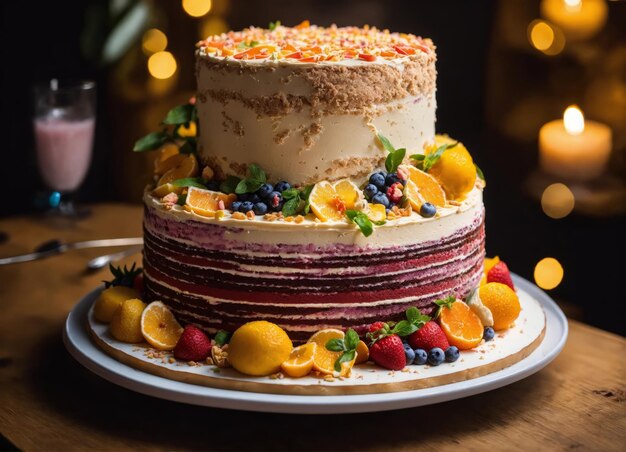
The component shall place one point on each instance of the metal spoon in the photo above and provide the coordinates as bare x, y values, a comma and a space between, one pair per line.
102, 261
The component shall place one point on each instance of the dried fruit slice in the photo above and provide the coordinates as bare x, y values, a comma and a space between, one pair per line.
461, 325
186, 167
207, 202
324, 359
300, 361
159, 326
330, 202
165, 153
421, 187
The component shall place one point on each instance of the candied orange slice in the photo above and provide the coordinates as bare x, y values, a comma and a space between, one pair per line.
186, 167
324, 359
421, 187
300, 361
159, 326
165, 153
207, 202
461, 325
330, 201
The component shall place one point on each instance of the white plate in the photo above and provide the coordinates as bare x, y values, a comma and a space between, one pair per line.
81, 347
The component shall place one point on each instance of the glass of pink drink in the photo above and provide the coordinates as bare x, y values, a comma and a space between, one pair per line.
64, 125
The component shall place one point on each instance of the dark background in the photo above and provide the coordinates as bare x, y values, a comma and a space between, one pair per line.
40, 42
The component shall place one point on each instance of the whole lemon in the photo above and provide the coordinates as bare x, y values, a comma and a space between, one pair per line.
259, 348
110, 299
503, 303
126, 321
454, 170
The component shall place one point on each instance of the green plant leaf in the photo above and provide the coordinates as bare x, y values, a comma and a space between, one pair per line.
304, 195
291, 206
335, 345
412, 314
222, 337
274, 25
229, 185
479, 172
182, 200
394, 159
255, 177
290, 193
197, 182
345, 357
386, 143
417, 157
255, 172
444, 303
181, 114
434, 157
404, 328
351, 339
362, 221
151, 141
189, 146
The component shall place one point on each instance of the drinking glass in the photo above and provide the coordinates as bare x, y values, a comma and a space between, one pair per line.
64, 123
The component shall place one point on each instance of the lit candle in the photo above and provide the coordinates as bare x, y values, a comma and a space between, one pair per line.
573, 148
579, 19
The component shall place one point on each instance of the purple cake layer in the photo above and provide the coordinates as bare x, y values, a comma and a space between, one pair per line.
218, 277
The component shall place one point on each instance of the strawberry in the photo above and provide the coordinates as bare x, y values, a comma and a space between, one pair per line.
388, 352
375, 327
428, 337
138, 284
500, 273
193, 345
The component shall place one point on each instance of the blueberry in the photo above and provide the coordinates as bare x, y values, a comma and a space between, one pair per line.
421, 357
378, 180
246, 206
391, 179
488, 334
436, 356
428, 210
380, 198
235, 206
409, 353
213, 185
370, 190
274, 201
260, 208
452, 354
243, 197
254, 198
282, 186
265, 190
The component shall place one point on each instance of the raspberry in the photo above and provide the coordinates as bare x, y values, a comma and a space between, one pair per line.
394, 192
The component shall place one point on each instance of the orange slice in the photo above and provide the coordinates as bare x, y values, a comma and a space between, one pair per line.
185, 167
207, 202
324, 359
165, 152
159, 326
421, 187
300, 361
166, 189
503, 303
362, 353
330, 201
376, 212
461, 325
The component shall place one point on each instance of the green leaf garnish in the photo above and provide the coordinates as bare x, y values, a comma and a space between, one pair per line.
274, 25
181, 114
291, 206
247, 45
304, 195
151, 141
347, 346
479, 172
290, 193
229, 185
444, 303
222, 337
123, 276
417, 157
189, 146
395, 157
434, 157
255, 177
182, 200
362, 221
414, 321
197, 182
296, 200
386, 143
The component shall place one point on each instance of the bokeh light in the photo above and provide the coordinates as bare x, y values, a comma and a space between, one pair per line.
546, 37
197, 8
557, 201
573, 120
153, 41
162, 65
548, 273
214, 25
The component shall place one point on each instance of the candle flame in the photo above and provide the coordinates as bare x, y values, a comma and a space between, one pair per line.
574, 120
573, 3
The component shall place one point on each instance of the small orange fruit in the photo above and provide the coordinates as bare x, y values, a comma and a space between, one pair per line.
324, 359
159, 326
490, 262
110, 299
165, 153
455, 169
461, 325
330, 201
126, 321
362, 353
300, 361
421, 187
503, 303
187, 166
207, 202
258, 348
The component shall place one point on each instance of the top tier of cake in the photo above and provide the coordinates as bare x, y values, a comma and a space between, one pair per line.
306, 103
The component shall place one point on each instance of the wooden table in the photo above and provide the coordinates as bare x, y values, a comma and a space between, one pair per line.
48, 401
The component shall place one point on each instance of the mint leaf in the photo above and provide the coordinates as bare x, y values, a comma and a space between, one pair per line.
345, 357
394, 159
222, 337
151, 141
434, 157
256, 173
290, 193
479, 172
444, 302
418, 157
362, 221
304, 195
412, 314
228, 186
347, 345
197, 182
181, 114
290, 207
255, 177
336, 345
351, 339
386, 143
404, 328
182, 200
274, 25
